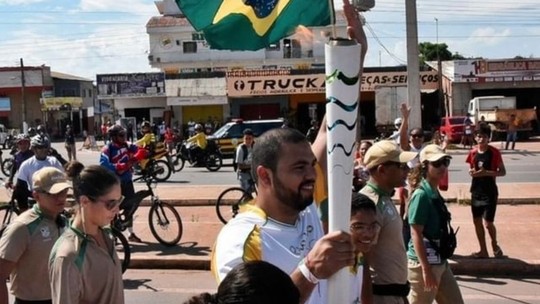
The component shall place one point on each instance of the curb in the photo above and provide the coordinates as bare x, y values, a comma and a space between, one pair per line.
459, 266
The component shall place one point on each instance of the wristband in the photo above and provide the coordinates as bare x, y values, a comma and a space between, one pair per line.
307, 273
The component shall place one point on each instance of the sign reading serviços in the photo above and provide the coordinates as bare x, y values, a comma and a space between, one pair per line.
280, 82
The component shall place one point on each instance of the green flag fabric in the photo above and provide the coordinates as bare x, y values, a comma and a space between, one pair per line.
250, 25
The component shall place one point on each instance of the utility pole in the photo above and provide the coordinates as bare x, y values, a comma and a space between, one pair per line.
413, 65
440, 95
23, 99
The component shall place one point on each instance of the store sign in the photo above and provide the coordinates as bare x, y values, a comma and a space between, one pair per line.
131, 85
482, 71
280, 82
61, 103
196, 101
5, 104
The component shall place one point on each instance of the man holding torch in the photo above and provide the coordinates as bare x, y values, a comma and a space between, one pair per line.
282, 226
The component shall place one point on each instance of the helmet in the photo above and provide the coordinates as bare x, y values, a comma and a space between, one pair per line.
40, 141
115, 130
398, 121
198, 127
22, 137
31, 132
145, 124
40, 129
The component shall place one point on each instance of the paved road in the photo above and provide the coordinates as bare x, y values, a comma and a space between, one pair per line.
522, 166
145, 286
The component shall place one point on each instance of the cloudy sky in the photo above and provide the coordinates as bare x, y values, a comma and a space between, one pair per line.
89, 37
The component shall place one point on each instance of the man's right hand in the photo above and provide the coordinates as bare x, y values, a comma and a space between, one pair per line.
331, 253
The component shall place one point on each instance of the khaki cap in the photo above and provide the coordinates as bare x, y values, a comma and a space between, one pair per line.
50, 180
386, 151
432, 153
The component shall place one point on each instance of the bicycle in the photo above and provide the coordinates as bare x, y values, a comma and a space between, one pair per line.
9, 210
231, 200
163, 218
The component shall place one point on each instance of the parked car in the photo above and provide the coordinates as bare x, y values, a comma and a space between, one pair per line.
453, 127
231, 134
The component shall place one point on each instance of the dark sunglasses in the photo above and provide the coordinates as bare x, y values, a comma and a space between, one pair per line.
441, 162
110, 205
402, 166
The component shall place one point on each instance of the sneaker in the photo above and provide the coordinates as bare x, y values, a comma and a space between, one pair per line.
133, 238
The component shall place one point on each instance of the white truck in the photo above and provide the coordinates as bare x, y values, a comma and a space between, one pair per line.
387, 104
496, 111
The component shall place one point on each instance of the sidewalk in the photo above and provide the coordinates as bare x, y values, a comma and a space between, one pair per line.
517, 223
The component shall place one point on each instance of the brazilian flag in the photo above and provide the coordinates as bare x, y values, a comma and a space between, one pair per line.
250, 25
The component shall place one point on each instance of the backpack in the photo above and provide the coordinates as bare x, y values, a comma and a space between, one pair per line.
244, 154
448, 241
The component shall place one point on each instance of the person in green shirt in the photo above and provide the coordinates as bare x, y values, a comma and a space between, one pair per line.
429, 274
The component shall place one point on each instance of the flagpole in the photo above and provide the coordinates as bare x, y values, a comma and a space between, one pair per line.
332, 18
342, 102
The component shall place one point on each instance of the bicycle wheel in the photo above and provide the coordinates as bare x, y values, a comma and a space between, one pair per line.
7, 164
122, 248
229, 202
165, 223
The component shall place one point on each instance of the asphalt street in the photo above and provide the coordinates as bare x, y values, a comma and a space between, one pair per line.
522, 166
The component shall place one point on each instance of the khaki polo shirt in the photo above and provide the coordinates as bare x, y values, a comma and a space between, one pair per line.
389, 255
82, 272
27, 241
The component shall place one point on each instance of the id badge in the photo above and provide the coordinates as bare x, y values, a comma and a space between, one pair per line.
432, 256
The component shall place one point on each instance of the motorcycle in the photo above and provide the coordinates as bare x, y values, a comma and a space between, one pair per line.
160, 169
210, 157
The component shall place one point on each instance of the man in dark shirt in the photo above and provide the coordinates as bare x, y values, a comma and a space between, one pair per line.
485, 164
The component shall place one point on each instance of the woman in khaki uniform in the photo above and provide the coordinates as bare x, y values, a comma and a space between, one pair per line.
83, 265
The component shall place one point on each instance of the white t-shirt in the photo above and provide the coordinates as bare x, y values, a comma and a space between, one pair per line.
252, 236
31, 165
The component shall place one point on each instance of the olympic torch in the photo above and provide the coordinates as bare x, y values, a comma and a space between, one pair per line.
342, 64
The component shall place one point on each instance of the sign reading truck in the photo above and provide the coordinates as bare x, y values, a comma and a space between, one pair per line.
281, 82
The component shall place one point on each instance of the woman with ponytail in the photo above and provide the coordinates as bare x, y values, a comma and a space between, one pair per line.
429, 273
83, 265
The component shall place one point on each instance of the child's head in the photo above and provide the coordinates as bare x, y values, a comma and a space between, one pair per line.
364, 226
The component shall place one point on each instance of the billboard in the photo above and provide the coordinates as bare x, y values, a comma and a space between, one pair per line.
482, 71
282, 82
130, 85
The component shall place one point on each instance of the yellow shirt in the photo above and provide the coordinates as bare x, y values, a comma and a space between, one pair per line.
199, 139
146, 140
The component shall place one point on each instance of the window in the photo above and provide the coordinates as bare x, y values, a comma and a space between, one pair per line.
292, 48
68, 93
190, 47
89, 92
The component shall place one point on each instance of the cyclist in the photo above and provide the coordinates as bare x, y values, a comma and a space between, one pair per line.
119, 156
23, 187
243, 161
198, 144
27, 241
23, 153
74, 277
147, 142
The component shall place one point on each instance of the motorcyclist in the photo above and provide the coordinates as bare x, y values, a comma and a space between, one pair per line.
119, 156
23, 153
198, 142
147, 142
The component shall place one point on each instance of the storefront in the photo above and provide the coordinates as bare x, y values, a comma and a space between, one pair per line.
59, 112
